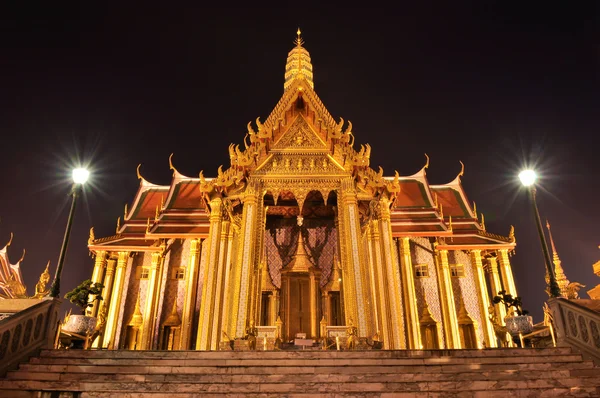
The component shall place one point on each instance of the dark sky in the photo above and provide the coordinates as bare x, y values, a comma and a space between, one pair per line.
496, 85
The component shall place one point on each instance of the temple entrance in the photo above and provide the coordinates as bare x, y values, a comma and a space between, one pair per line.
297, 313
299, 256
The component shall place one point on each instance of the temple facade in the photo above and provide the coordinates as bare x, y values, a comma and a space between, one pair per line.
299, 236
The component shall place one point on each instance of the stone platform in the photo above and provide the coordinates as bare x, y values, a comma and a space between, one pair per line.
491, 373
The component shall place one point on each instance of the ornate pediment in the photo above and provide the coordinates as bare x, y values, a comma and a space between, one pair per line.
300, 137
299, 164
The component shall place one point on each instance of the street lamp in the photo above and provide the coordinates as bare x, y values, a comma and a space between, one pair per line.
528, 178
80, 176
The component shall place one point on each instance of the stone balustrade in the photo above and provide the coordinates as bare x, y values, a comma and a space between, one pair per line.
577, 324
28, 326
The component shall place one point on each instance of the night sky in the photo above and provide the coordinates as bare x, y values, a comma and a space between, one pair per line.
497, 86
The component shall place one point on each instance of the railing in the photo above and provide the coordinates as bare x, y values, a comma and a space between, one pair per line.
24, 333
576, 326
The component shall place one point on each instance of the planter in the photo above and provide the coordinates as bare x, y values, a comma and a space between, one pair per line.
519, 324
80, 324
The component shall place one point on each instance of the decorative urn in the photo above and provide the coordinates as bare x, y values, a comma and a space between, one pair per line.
80, 324
519, 324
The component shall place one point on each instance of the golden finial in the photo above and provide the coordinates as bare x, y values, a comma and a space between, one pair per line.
171, 162
475, 209
442, 211
435, 200
462, 169
450, 223
426, 161
10, 240
511, 233
148, 226
22, 257
156, 213
125, 212
139, 176
92, 236
118, 224
299, 42
482, 222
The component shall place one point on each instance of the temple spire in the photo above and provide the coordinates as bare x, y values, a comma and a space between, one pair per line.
561, 278
298, 64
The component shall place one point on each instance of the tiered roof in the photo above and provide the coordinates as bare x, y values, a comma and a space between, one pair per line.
418, 208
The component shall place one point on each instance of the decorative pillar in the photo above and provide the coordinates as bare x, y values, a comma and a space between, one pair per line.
97, 275
244, 264
391, 269
496, 287
315, 278
410, 297
115, 301
354, 278
232, 234
191, 290
150, 304
447, 301
219, 288
203, 339
374, 265
111, 264
506, 272
384, 326
484, 300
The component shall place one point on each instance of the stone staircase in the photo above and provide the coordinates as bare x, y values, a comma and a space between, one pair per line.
492, 373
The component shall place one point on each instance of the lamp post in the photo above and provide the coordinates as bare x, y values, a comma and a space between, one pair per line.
80, 176
528, 178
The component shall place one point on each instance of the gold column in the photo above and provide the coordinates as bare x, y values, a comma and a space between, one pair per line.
447, 301
227, 283
97, 275
373, 264
203, 339
410, 297
191, 290
325, 303
244, 264
111, 264
484, 300
496, 287
115, 301
392, 271
385, 319
354, 278
219, 288
506, 272
315, 277
150, 304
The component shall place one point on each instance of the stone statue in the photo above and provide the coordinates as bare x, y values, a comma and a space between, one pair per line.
500, 331
40, 287
251, 333
377, 342
573, 290
352, 331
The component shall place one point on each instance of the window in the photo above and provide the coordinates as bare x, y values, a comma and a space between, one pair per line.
142, 272
178, 273
421, 271
457, 270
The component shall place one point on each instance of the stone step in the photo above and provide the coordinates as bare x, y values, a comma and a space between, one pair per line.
306, 388
284, 369
302, 378
308, 354
528, 393
313, 362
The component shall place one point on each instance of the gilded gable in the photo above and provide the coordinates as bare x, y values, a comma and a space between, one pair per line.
300, 136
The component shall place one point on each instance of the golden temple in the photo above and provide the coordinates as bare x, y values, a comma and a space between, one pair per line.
300, 237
